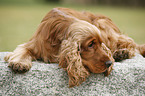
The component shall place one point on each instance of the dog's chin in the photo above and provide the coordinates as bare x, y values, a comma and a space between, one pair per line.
101, 71
98, 71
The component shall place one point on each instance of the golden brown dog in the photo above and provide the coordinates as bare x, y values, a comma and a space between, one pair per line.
81, 42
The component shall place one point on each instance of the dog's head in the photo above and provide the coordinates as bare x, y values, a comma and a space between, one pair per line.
83, 51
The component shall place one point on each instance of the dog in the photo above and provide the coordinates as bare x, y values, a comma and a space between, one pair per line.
81, 42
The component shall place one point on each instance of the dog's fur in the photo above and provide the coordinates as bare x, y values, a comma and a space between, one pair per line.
81, 42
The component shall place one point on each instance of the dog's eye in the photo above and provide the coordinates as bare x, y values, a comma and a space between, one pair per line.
91, 44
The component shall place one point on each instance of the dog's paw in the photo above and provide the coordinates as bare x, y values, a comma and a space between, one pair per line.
19, 67
121, 54
6, 58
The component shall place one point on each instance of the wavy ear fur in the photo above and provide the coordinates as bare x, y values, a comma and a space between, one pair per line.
70, 60
108, 52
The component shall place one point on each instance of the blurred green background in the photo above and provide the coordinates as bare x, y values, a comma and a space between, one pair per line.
19, 19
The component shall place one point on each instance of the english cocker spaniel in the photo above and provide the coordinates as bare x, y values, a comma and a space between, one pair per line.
81, 42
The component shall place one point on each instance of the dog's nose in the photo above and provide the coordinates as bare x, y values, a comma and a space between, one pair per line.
108, 63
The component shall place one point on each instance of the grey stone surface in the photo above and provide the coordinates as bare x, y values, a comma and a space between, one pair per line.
127, 78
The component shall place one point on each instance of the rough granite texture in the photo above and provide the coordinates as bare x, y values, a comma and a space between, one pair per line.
127, 79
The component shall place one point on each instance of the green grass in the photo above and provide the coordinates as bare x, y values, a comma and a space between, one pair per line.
19, 22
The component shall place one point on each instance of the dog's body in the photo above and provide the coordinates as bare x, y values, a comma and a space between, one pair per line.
81, 42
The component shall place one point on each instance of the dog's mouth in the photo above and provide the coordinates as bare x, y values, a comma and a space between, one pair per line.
103, 70
97, 70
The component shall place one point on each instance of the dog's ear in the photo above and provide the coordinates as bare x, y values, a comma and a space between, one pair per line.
70, 60
108, 71
108, 51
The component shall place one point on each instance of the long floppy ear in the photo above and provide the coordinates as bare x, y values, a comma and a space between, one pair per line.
70, 60
107, 50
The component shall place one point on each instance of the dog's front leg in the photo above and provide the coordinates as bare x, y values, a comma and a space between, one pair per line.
20, 60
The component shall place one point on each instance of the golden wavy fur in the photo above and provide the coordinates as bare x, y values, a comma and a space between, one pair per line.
81, 42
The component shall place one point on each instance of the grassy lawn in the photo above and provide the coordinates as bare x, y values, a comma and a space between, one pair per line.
19, 22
